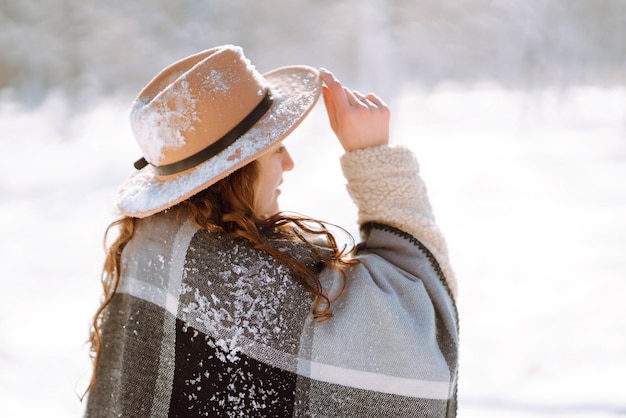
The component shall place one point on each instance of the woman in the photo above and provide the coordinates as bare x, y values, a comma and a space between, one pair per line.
216, 304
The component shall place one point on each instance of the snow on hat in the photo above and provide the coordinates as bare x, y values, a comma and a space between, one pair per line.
204, 117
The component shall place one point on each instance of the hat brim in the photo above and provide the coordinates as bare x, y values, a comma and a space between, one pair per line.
295, 91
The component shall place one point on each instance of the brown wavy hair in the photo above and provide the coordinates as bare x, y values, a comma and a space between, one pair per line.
227, 207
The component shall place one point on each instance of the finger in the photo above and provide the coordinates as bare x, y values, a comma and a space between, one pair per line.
330, 107
352, 98
361, 97
377, 101
336, 90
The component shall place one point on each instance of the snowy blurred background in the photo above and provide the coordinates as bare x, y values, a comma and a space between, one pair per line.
515, 108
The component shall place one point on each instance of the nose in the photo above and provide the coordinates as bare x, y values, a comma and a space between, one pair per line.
286, 160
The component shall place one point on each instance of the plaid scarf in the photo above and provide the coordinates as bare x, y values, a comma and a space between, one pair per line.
206, 325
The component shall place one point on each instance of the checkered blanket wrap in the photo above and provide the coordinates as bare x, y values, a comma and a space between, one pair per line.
205, 325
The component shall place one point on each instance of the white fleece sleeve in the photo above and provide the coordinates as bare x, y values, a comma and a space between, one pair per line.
385, 185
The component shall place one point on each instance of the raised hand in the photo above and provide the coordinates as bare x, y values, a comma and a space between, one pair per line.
359, 121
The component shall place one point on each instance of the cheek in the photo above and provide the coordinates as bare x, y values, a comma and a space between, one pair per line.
270, 172
273, 174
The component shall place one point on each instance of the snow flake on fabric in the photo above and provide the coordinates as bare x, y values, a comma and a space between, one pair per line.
219, 81
240, 315
159, 124
239, 297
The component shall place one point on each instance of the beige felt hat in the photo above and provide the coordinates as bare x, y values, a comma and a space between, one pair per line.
205, 116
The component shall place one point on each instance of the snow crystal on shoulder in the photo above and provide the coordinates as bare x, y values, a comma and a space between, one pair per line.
250, 298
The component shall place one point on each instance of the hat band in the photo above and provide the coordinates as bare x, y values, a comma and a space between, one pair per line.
218, 146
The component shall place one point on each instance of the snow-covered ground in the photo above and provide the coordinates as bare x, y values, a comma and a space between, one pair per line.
530, 189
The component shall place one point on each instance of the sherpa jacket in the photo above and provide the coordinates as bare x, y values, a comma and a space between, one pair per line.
206, 325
